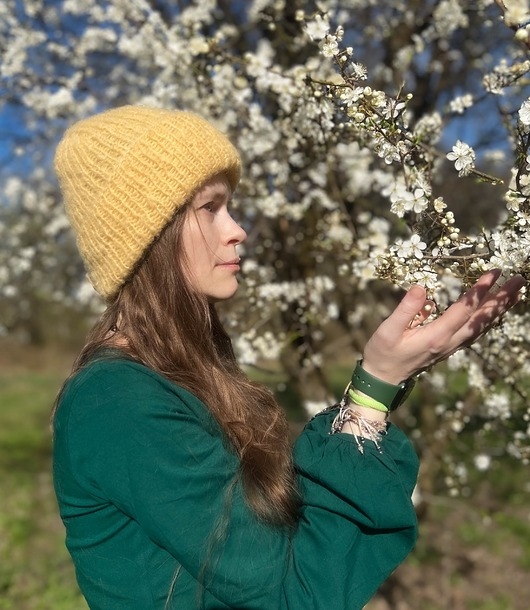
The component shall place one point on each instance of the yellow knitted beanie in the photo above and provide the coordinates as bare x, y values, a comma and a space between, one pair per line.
125, 172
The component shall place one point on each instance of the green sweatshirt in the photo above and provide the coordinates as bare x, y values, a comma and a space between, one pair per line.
148, 492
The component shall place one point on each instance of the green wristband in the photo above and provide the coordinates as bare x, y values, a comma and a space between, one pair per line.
366, 401
388, 394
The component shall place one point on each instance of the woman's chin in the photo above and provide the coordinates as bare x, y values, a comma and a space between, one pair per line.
222, 295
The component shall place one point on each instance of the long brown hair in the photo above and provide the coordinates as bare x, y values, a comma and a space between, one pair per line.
177, 332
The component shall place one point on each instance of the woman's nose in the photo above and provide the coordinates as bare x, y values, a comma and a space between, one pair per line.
236, 232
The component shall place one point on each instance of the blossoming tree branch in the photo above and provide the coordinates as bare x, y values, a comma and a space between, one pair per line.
435, 252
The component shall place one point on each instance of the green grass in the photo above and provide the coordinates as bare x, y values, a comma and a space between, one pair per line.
500, 603
35, 572
519, 532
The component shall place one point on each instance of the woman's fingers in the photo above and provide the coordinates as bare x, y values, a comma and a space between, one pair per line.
492, 307
460, 312
474, 313
402, 347
408, 308
425, 312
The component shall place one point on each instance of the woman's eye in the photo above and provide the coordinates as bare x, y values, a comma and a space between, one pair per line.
209, 207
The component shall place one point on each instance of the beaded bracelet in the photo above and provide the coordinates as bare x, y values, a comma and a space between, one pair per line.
369, 429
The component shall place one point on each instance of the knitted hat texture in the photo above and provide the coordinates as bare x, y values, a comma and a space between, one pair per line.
125, 172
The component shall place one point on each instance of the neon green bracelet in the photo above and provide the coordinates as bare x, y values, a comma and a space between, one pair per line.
366, 401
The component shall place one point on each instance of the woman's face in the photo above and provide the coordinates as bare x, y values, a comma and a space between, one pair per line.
210, 238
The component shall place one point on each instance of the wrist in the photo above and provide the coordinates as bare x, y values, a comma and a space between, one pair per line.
351, 421
368, 412
385, 376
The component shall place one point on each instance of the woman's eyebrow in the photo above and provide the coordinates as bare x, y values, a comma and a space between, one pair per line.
218, 195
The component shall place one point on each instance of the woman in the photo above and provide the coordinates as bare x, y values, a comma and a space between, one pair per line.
173, 471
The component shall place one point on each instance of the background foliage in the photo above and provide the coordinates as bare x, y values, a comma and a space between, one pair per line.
354, 119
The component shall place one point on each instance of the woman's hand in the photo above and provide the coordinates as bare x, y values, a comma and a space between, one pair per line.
402, 347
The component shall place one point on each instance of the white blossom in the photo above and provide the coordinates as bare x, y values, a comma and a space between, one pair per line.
429, 127
497, 405
439, 205
404, 200
412, 247
524, 113
318, 28
463, 156
459, 104
449, 16
482, 461
330, 46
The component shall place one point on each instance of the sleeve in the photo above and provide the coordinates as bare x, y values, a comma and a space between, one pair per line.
358, 521
158, 457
